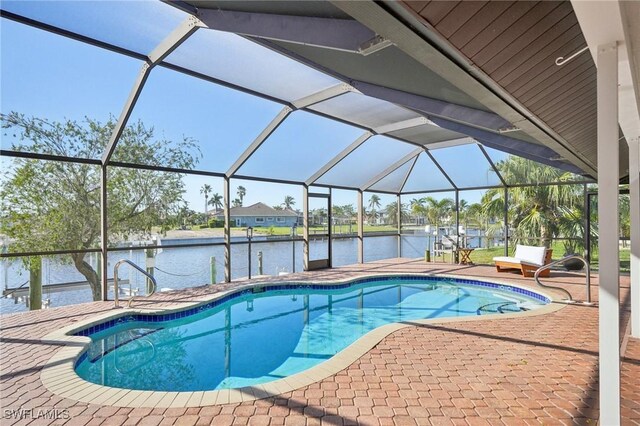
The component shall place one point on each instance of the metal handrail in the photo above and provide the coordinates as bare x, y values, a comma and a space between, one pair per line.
139, 269
557, 262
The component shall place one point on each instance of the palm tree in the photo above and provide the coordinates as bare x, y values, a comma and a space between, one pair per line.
348, 210
438, 211
471, 214
416, 205
206, 190
374, 202
236, 202
493, 213
391, 211
433, 210
216, 201
288, 202
242, 191
537, 210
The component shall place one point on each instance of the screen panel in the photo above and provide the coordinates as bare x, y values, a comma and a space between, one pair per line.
300, 146
426, 176
466, 165
59, 96
394, 181
426, 134
380, 213
133, 25
234, 59
214, 123
517, 170
366, 162
49, 205
364, 110
344, 214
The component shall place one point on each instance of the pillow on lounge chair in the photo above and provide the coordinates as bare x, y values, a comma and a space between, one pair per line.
530, 254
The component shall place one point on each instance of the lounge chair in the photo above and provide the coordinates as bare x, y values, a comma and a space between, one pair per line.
526, 259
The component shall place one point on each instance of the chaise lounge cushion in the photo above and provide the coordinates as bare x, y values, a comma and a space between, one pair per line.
530, 254
527, 255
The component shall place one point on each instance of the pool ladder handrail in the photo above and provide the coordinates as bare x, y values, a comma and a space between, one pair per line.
139, 269
536, 276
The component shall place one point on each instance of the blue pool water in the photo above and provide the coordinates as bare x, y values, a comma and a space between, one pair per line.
254, 338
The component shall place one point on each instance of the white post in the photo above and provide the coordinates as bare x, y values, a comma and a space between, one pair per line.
634, 194
608, 245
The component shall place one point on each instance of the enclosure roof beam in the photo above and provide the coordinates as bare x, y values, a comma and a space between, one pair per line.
388, 128
401, 125
338, 158
257, 142
493, 166
449, 143
166, 46
304, 102
392, 168
441, 169
329, 33
406, 178
502, 142
434, 107
322, 95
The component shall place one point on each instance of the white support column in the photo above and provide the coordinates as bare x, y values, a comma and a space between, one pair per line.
634, 193
608, 291
360, 227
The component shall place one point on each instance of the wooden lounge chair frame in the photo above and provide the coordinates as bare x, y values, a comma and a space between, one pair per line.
527, 269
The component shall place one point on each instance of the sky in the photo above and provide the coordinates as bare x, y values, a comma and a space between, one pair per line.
46, 75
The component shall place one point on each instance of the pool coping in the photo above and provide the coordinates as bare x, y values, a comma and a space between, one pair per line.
59, 376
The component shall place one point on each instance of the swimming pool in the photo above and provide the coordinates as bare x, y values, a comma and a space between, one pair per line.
266, 333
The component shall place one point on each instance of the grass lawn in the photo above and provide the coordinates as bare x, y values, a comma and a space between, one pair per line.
484, 256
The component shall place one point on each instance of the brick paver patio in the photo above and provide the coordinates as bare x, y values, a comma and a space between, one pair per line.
529, 370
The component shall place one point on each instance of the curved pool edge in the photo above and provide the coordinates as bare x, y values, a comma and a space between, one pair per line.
59, 376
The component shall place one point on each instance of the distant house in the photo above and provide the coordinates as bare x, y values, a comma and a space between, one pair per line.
259, 214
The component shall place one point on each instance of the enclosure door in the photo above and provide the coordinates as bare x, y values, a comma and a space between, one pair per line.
319, 231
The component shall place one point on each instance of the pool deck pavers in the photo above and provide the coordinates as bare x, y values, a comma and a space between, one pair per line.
526, 370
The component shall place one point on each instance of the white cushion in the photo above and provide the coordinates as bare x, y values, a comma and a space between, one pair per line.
530, 254
507, 259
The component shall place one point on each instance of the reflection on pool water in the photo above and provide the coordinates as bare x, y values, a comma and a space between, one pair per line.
259, 337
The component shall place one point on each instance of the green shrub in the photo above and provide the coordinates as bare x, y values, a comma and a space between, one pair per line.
216, 223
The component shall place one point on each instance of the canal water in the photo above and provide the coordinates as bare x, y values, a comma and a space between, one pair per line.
177, 268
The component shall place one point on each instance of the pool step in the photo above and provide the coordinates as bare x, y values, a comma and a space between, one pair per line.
501, 308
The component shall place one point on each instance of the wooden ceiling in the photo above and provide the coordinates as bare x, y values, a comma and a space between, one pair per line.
516, 44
